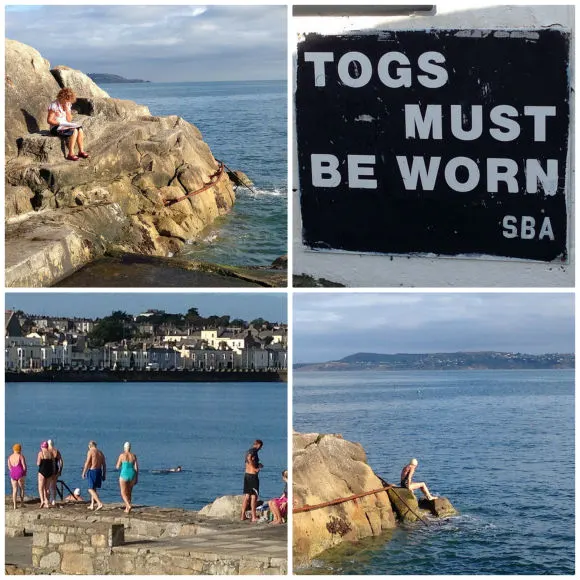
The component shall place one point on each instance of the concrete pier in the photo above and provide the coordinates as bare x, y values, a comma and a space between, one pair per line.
70, 539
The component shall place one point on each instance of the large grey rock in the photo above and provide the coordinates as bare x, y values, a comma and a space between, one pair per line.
29, 89
327, 468
227, 507
404, 504
17, 201
79, 82
137, 161
440, 507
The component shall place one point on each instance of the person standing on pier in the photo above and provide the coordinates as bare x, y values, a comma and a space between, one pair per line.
58, 466
17, 470
95, 470
129, 466
45, 462
251, 480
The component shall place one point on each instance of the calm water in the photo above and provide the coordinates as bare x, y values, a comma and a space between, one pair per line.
205, 428
245, 125
498, 444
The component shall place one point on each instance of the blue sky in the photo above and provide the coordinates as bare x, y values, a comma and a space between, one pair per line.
248, 306
158, 43
329, 327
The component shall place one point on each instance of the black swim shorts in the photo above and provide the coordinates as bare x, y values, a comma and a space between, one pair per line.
251, 484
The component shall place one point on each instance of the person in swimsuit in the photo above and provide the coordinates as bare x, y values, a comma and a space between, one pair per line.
58, 466
129, 474
17, 469
95, 470
252, 480
59, 112
45, 462
407, 480
279, 505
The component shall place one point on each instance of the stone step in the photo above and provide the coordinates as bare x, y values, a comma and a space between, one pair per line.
51, 245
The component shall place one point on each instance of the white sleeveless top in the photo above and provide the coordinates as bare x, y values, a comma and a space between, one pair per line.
60, 111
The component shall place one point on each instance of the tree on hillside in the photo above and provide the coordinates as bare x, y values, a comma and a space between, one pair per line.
112, 328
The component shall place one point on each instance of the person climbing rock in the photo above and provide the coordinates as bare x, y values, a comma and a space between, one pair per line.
407, 480
60, 120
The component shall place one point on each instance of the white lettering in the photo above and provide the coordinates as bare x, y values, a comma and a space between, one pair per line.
319, 59
528, 227
500, 116
508, 175
548, 179
426, 125
540, 114
356, 171
403, 78
419, 171
509, 224
472, 174
363, 64
546, 230
324, 170
426, 64
476, 123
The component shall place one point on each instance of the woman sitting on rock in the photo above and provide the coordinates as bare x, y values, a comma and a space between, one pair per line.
278, 506
60, 121
407, 480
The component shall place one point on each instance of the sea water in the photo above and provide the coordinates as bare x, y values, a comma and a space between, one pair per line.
498, 444
245, 125
204, 427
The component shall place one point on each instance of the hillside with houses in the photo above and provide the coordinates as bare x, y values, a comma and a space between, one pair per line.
152, 340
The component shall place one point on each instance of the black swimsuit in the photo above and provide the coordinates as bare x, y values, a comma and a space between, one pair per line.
46, 467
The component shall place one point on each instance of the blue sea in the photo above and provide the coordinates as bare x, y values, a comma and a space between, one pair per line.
245, 125
498, 444
204, 427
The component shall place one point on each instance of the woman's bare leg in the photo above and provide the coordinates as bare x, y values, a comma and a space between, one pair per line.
42, 490
14, 491
275, 512
72, 142
124, 495
21, 484
80, 140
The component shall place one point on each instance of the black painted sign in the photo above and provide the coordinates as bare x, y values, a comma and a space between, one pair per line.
441, 142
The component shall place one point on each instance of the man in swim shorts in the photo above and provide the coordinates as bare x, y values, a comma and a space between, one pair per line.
251, 480
95, 470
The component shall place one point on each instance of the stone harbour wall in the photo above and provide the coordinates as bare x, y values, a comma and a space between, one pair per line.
75, 547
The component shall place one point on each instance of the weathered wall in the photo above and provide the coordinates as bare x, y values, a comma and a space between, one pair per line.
388, 271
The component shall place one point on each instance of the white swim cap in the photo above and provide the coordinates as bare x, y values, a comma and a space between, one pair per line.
77, 491
50, 442
127, 446
414, 461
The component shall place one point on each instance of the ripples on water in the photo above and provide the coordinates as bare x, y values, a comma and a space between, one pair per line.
498, 444
245, 125
204, 427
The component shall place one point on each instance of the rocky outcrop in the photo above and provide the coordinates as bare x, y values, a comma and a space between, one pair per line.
139, 164
326, 468
227, 507
440, 507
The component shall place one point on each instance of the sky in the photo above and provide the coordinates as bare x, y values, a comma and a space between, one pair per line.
158, 43
329, 327
248, 306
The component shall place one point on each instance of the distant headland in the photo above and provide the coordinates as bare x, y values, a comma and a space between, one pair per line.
488, 360
104, 78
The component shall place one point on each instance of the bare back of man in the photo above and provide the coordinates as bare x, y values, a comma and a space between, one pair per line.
95, 470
